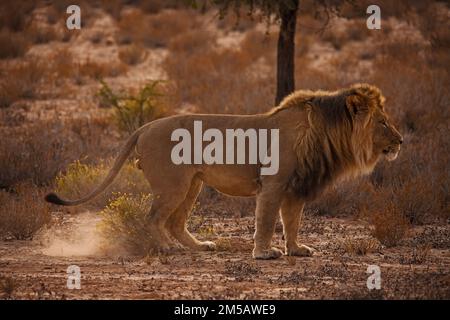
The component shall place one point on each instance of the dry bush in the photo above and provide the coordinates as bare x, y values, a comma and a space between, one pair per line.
62, 63
39, 34
191, 42
132, 54
360, 246
12, 45
347, 198
155, 6
308, 78
154, 30
418, 255
7, 286
96, 70
257, 44
237, 22
14, 14
390, 226
38, 151
20, 81
97, 37
63, 66
112, 7
79, 179
349, 30
23, 212
123, 224
223, 81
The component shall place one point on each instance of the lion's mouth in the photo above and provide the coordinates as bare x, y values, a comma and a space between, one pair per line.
391, 153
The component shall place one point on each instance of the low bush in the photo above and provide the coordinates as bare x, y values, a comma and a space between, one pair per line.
12, 45
390, 225
123, 224
132, 54
20, 81
154, 30
23, 212
37, 152
79, 179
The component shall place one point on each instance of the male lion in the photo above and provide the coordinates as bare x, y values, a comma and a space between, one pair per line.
324, 137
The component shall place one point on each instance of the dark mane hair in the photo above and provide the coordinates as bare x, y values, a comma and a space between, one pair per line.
329, 149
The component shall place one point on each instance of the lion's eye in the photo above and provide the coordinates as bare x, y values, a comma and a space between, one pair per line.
383, 123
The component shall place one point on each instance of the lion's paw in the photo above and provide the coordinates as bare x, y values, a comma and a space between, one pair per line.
272, 253
300, 251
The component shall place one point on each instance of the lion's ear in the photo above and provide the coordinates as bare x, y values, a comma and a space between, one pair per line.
356, 104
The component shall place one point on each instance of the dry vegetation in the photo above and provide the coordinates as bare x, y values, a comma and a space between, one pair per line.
22, 212
60, 125
124, 224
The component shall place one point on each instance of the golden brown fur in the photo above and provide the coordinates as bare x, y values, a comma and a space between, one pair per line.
324, 137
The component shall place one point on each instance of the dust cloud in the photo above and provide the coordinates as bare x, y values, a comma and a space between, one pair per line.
78, 236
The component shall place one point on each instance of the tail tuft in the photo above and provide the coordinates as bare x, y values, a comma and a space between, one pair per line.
53, 198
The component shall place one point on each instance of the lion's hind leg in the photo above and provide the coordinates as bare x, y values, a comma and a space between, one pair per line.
176, 224
165, 202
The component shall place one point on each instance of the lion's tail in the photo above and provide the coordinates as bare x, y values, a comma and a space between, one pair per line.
120, 160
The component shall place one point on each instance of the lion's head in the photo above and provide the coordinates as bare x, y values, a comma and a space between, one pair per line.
349, 131
373, 133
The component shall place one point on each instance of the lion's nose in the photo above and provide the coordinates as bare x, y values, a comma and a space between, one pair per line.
400, 141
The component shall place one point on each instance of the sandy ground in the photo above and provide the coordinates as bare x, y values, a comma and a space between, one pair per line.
39, 269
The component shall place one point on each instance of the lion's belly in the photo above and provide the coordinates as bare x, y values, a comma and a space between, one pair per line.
237, 180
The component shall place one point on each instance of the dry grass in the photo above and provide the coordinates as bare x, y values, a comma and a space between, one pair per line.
241, 270
64, 67
39, 34
390, 226
360, 246
37, 152
25, 79
14, 15
218, 81
7, 286
355, 30
96, 70
20, 81
12, 45
132, 54
418, 255
23, 212
151, 30
348, 198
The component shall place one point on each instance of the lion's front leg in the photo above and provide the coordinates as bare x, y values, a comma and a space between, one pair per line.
291, 215
267, 207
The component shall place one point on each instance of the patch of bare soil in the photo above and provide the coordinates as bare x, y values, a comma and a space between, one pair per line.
39, 270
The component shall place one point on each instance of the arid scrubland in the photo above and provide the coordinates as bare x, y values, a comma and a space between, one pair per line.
68, 99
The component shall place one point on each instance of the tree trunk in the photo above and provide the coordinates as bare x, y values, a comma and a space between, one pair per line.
286, 49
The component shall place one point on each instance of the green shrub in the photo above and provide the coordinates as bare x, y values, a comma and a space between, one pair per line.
79, 179
132, 111
123, 223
